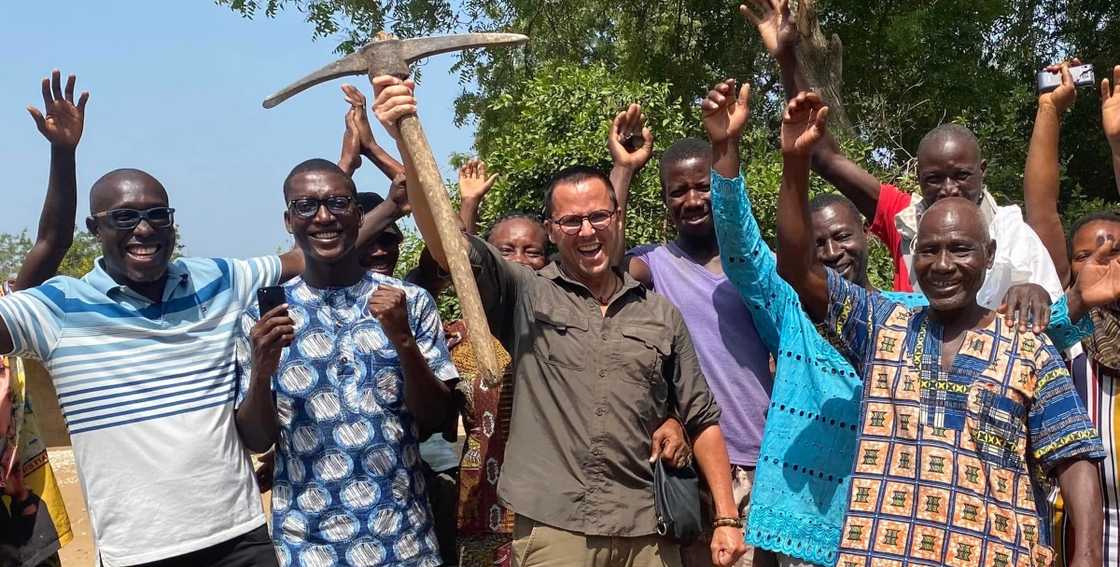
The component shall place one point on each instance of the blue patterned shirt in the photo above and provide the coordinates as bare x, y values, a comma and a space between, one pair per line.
348, 485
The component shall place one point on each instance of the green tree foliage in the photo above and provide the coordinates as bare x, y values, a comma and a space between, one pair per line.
907, 65
78, 261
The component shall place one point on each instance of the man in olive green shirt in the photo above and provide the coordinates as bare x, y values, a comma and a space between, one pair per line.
595, 359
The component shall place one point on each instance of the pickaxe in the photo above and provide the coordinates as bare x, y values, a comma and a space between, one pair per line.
392, 57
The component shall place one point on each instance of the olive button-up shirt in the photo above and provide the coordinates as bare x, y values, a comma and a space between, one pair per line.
589, 391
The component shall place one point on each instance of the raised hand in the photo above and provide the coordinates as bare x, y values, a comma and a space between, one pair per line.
1098, 282
775, 27
629, 141
62, 126
394, 101
351, 158
725, 115
389, 305
357, 101
1110, 109
804, 124
473, 182
1063, 97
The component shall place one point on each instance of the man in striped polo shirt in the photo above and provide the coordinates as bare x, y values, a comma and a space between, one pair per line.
141, 351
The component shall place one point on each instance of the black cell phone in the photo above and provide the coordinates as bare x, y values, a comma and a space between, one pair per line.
270, 297
1082, 77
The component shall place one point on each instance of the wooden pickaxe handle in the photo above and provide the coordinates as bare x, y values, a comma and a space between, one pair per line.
453, 244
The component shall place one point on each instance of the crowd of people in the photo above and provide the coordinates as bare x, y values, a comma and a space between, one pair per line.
963, 417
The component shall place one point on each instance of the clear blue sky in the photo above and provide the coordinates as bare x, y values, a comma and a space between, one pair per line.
176, 90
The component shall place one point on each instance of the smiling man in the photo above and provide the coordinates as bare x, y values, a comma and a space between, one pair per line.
688, 272
342, 378
966, 421
595, 356
141, 351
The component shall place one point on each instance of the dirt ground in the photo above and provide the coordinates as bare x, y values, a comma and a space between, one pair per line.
79, 552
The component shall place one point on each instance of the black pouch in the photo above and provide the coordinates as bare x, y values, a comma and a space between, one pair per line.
676, 497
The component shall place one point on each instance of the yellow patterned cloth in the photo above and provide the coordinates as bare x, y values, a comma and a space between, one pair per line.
485, 525
954, 463
33, 520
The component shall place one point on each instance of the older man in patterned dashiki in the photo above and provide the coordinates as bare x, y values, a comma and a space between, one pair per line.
354, 363
966, 419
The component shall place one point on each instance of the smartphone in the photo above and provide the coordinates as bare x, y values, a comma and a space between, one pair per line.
270, 297
1082, 77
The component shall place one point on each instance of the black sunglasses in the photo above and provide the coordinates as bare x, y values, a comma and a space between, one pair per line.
308, 207
128, 219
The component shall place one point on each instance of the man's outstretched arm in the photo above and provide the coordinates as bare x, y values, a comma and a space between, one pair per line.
779, 35
1041, 177
62, 127
803, 126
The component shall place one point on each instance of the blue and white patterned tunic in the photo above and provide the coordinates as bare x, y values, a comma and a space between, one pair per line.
348, 486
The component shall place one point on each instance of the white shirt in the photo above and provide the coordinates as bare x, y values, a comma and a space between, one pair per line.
147, 390
1020, 255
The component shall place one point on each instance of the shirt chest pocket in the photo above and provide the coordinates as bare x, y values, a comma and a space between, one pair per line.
642, 353
561, 338
996, 420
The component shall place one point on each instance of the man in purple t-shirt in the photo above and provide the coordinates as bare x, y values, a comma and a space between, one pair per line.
688, 272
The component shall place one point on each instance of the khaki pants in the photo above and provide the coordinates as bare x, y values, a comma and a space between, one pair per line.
538, 545
699, 554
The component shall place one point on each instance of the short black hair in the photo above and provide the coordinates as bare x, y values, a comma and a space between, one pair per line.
369, 201
829, 199
575, 174
535, 219
949, 132
683, 150
317, 164
1099, 216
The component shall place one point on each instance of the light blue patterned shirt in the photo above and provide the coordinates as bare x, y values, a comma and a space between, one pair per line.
348, 485
809, 443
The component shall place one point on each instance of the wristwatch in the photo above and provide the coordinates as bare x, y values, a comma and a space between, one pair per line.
727, 522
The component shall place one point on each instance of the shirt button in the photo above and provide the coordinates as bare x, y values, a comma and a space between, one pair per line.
603, 373
344, 360
600, 411
604, 336
596, 451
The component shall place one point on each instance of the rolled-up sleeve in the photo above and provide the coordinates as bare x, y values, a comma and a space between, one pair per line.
696, 405
499, 285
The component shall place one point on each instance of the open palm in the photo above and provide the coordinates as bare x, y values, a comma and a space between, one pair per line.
803, 124
1110, 108
775, 26
62, 125
725, 114
1098, 281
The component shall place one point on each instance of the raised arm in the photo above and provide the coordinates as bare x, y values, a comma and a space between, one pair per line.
803, 127
369, 146
395, 100
62, 127
1110, 118
1040, 177
631, 147
474, 184
779, 35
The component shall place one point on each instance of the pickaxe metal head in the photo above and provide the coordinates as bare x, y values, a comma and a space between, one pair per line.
393, 57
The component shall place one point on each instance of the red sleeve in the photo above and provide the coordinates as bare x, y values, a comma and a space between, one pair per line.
891, 202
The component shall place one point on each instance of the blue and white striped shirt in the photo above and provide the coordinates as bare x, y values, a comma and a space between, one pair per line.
147, 390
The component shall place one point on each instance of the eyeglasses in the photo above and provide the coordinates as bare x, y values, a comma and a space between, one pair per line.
307, 208
128, 219
572, 224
